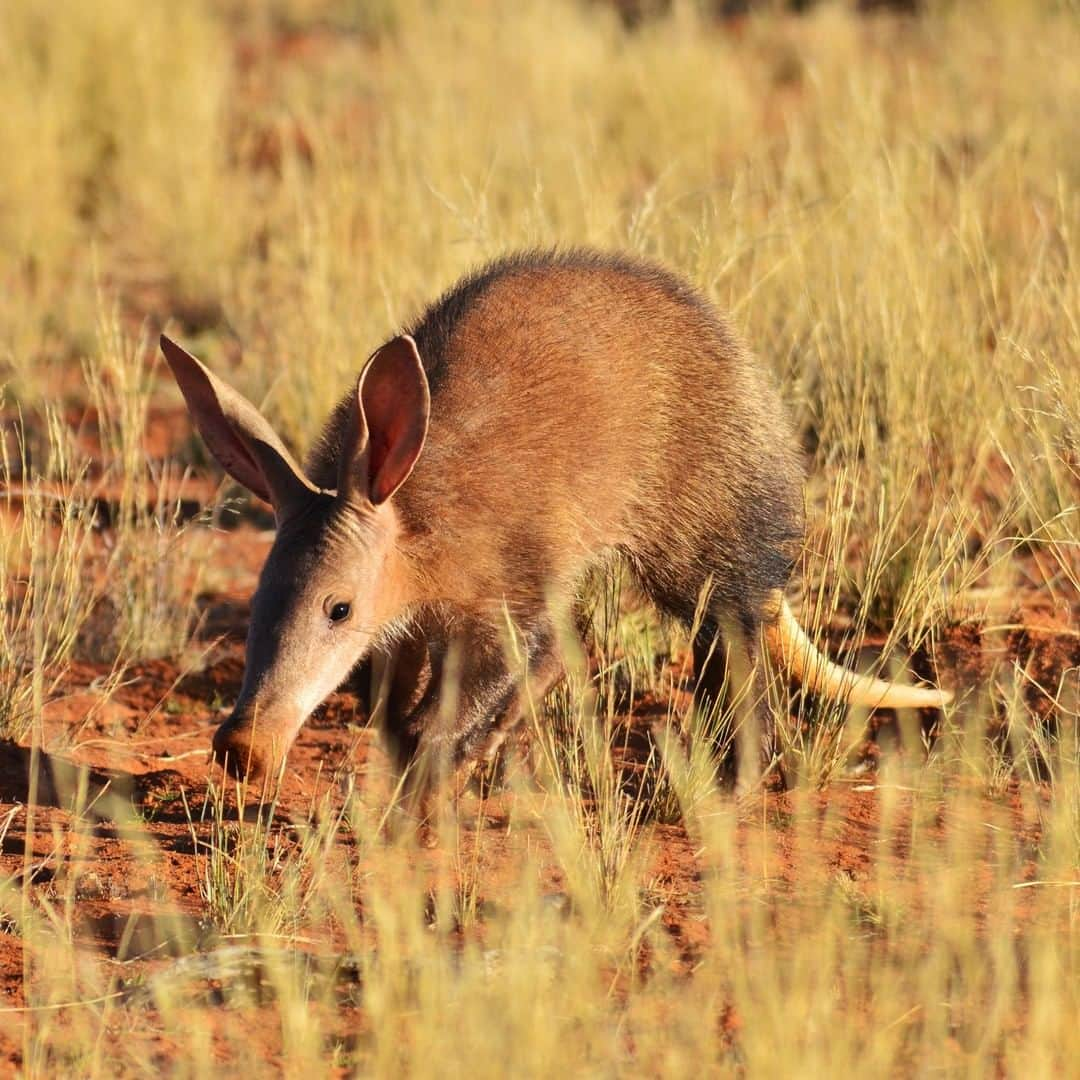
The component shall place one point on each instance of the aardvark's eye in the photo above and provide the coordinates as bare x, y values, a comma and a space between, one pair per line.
340, 611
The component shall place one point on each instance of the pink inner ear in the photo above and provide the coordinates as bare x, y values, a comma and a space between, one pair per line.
378, 453
394, 400
387, 426
392, 454
205, 405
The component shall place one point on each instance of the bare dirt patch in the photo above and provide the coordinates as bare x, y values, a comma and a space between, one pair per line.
142, 756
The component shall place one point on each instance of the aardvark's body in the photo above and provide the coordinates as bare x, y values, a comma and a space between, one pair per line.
547, 413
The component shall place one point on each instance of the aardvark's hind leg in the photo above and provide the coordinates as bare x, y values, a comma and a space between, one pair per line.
730, 679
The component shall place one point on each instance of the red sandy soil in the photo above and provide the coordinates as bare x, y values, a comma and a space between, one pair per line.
146, 746
147, 743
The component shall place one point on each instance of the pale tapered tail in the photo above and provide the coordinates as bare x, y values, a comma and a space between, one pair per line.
792, 650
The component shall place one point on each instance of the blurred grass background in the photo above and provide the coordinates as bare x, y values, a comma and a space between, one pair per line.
887, 204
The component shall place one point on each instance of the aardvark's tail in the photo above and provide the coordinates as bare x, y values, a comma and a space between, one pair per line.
792, 650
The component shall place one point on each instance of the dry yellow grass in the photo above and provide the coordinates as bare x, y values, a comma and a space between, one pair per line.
889, 208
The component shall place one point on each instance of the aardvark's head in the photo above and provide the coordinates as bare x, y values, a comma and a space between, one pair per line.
333, 577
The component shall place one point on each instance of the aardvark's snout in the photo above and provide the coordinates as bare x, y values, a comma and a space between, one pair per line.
251, 747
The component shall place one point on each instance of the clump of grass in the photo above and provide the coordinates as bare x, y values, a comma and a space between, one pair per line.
628, 644
154, 559
887, 209
259, 877
599, 819
46, 559
73, 584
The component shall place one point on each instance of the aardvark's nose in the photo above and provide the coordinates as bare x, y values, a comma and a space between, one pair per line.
247, 750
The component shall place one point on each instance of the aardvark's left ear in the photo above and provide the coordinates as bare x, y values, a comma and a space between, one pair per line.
238, 435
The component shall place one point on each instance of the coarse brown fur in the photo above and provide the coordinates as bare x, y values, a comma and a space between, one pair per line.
584, 404
553, 411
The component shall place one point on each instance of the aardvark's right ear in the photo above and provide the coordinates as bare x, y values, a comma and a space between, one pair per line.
387, 425
238, 435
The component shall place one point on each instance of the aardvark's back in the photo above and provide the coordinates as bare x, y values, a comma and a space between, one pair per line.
579, 404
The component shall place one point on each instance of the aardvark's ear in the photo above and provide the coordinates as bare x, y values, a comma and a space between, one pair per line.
388, 424
238, 435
